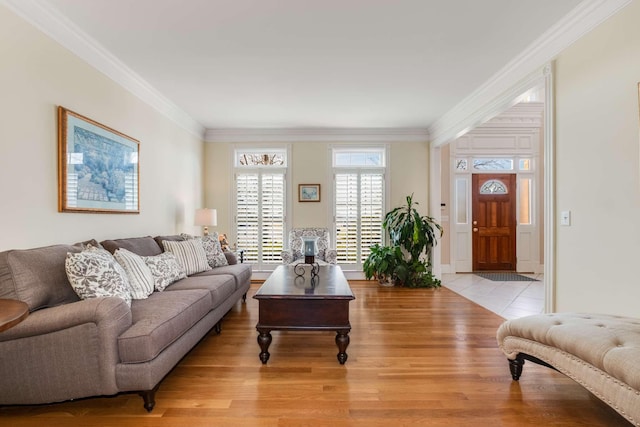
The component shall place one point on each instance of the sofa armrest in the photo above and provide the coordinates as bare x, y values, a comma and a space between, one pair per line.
64, 352
331, 256
287, 257
232, 259
106, 310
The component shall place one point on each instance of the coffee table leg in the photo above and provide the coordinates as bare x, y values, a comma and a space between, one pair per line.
342, 340
264, 340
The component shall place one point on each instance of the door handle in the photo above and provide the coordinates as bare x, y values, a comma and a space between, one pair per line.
475, 222
475, 229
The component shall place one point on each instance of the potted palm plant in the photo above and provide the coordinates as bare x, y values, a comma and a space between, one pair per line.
412, 237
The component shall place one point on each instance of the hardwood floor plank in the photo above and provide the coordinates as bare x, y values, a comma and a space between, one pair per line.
417, 357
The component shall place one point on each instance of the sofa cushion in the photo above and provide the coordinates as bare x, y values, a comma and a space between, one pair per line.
95, 273
141, 280
145, 246
221, 286
160, 320
240, 272
37, 276
190, 255
165, 269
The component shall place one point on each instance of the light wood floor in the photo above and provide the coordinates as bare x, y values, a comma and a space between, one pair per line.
416, 358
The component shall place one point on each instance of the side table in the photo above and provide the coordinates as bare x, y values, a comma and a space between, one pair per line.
12, 312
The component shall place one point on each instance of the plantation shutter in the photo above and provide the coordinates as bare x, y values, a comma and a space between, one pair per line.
346, 213
359, 211
247, 215
371, 212
272, 217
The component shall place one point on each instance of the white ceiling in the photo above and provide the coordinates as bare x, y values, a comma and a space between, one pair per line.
314, 63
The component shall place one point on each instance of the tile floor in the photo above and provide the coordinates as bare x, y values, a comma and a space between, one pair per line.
507, 299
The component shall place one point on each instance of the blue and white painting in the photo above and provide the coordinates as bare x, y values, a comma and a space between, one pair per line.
101, 168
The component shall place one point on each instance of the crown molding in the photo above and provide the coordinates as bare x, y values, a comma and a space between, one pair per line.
525, 71
55, 25
317, 135
524, 115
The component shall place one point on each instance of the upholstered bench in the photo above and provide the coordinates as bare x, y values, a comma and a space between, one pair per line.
601, 352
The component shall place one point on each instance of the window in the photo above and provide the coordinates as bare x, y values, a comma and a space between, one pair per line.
525, 194
260, 205
359, 206
461, 164
494, 186
461, 200
496, 164
524, 164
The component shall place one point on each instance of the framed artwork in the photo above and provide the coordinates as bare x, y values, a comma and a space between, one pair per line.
98, 170
308, 192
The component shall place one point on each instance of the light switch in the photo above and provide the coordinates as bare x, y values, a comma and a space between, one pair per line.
565, 218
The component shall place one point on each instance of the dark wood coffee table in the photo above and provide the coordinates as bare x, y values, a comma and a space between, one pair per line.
290, 303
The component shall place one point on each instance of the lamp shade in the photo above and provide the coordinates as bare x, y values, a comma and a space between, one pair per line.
206, 217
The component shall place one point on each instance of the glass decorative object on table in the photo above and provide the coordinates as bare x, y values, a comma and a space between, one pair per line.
310, 247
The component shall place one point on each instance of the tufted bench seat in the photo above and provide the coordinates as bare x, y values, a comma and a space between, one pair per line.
600, 352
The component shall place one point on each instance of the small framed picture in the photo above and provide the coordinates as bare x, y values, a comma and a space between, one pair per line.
308, 192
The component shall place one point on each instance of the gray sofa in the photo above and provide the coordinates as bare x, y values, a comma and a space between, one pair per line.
69, 348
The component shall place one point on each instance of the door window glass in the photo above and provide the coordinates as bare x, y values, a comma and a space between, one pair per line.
494, 186
461, 201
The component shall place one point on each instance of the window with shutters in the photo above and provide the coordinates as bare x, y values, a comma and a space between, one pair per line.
260, 205
358, 202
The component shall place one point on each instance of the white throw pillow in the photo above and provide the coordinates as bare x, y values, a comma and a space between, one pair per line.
138, 273
165, 269
95, 273
189, 253
212, 248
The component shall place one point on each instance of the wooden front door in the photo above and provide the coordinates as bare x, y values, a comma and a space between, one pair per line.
494, 222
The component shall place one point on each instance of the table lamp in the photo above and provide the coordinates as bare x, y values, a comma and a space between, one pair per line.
206, 217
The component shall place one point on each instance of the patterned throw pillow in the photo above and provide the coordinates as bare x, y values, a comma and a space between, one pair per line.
212, 247
95, 273
138, 273
165, 269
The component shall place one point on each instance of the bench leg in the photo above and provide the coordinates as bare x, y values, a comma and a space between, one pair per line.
515, 366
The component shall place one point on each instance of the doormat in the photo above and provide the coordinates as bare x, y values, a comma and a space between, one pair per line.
505, 277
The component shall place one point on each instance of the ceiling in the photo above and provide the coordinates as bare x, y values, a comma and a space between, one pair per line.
314, 63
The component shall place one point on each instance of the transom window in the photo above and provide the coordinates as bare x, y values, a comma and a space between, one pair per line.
359, 157
261, 158
493, 164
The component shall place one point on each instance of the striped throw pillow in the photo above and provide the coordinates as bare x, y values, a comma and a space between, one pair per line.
138, 273
190, 255
211, 245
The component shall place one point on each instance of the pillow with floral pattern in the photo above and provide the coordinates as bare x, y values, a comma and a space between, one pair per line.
165, 270
94, 273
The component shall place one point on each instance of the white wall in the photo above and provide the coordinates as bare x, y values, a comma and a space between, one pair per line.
311, 164
37, 75
598, 176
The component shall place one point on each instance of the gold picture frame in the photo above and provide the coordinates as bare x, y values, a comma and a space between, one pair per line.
308, 192
98, 167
